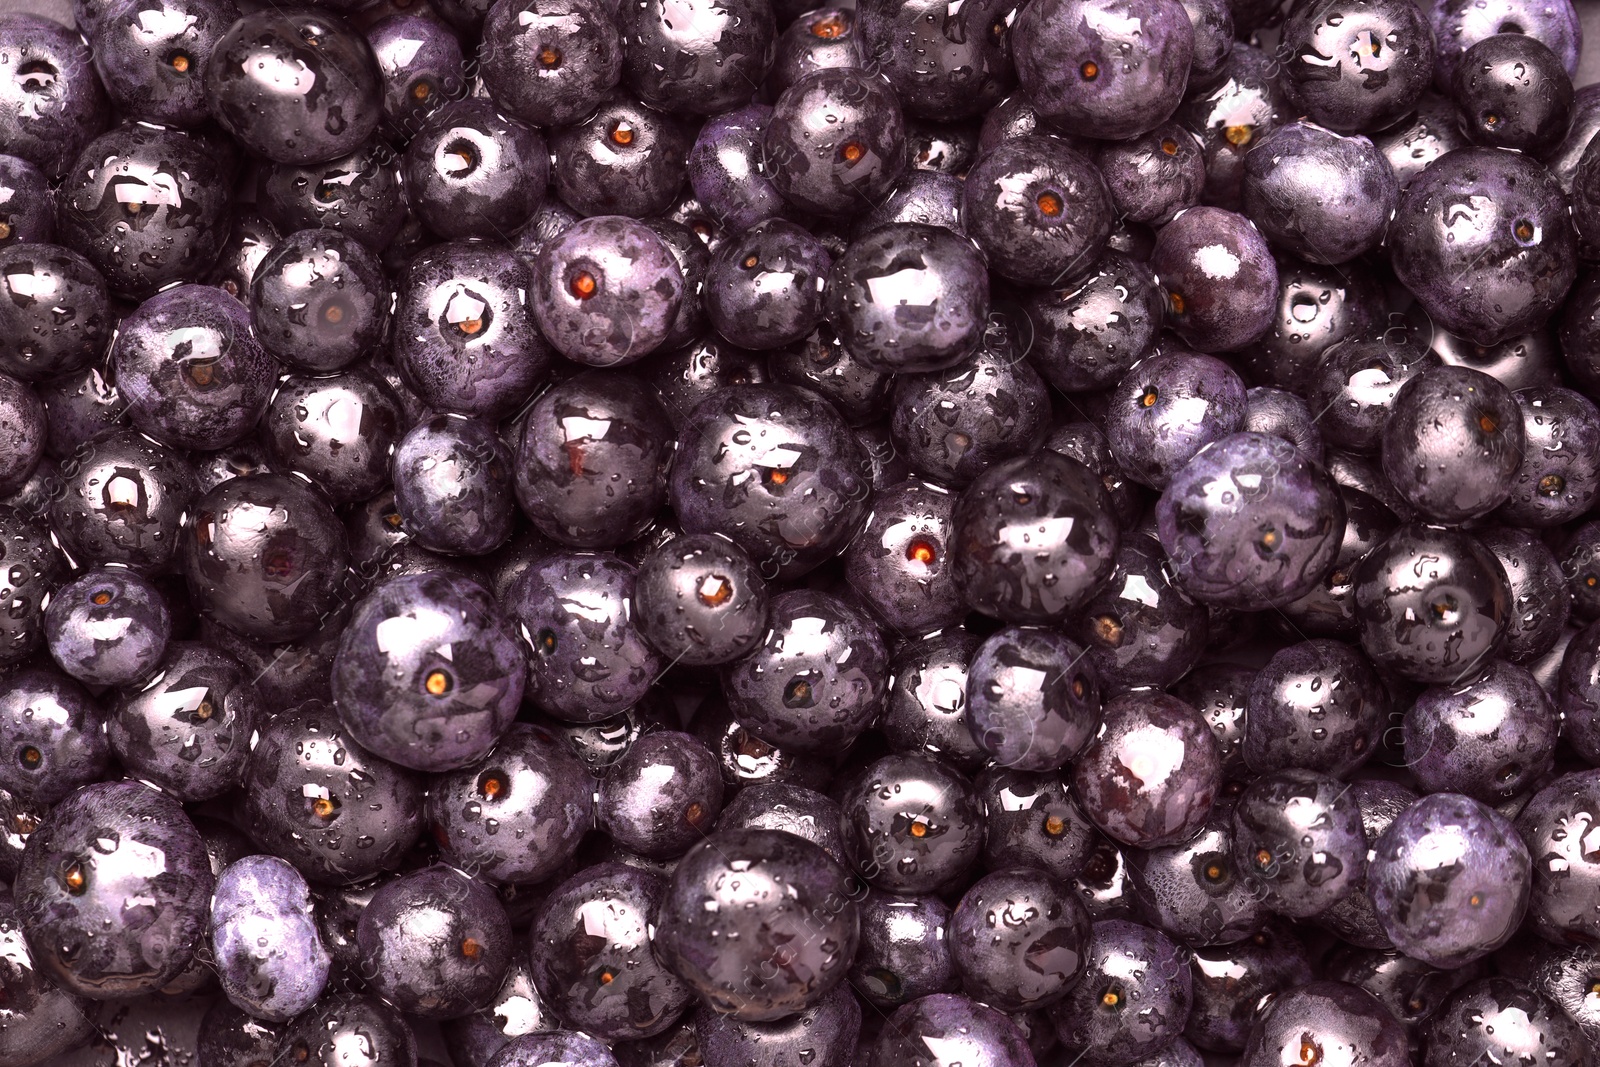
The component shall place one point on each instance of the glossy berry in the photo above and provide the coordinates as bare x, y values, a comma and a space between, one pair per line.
1501, 1017
190, 368
905, 951
1265, 543
54, 733
1385, 59
318, 300
954, 424
435, 942
1087, 333
592, 955
1324, 197
124, 502
1033, 702
1298, 838
1540, 607
59, 318
323, 98
911, 825
453, 486
1220, 692
1154, 176
1140, 629
435, 689
1317, 704
1099, 69
1194, 892
265, 556
464, 336
925, 709
518, 813
152, 57
662, 796
1133, 998
1557, 479
944, 1030
701, 58
339, 431
811, 692
1039, 209
606, 291
942, 71
1317, 308
591, 465
1511, 91
724, 167
344, 1019
108, 627
1019, 939
908, 298
823, 37
1219, 277
1564, 876
188, 728
1497, 269
1449, 880
1031, 820
472, 172
1453, 443
53, 102
776, 470
147, 206
1167, 408
764, 288
1490, 738
550, 61
421, 64
835, 142
700, 600
316, 798
1150, 775
358, 194
714, 929
623, 159
106, 843
1433, 603
1327, 1021
900, 562
1055, 570
587, 659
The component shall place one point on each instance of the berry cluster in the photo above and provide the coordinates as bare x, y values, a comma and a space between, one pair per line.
715, 533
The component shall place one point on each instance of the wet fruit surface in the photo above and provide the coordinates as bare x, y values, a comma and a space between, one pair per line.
727, 533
